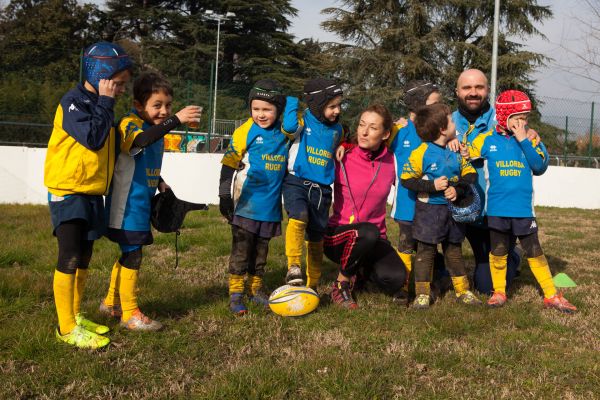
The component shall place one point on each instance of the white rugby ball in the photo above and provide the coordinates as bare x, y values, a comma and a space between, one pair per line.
293, 301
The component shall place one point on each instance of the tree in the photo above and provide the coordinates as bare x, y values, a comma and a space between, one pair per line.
390, 42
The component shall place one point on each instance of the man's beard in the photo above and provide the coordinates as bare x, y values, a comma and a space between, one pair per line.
471, 108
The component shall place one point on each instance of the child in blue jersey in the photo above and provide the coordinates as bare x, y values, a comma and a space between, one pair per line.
135, 181
77, 171
257, 156
311, 172
512, 160
403, 140
438, 175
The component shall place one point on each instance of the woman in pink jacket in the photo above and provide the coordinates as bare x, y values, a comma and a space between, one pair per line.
356, 234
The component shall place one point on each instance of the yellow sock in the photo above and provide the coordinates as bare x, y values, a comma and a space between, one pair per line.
461, 284
422, 288
541, 270
498, 270
127, 292
294, 239
407, 260
112, 296
255, 283
236, 284
314, 262
80, 278
64, 286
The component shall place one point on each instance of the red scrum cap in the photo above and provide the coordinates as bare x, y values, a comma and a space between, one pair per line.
509, 103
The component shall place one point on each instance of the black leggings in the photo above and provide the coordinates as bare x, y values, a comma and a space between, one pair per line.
359, 248
426, 254
248, 252
500, 242
74, 250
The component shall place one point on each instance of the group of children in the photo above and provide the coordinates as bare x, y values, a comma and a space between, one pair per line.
276, 153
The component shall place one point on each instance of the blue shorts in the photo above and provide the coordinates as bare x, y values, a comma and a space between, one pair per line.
433, 224
515, 226
309, 202
133, 238
89, 208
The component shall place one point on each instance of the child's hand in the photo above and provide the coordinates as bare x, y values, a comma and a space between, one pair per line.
453, 145
532, 135
162, 186
464, 151
189, 114
226, 207
402, 122
450, 193
517, 126
441, 183
339, 153
106, 87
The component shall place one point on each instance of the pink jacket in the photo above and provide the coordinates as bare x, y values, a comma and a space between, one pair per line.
360, 194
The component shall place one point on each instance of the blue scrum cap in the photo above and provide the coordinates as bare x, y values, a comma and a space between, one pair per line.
103, 60
468, 208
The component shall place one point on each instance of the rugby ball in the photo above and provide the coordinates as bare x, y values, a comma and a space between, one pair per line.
293, 301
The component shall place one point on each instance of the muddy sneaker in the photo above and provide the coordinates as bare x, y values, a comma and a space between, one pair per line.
341, 294
260, 298
401, 298
469, 298
236, 304
140, 322
110, 311
294, 276
82, 338
558, 302
421, 302
498, 299
90, 325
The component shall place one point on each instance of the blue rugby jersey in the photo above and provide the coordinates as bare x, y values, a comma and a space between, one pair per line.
135, 179
311, 156
509, 168
430, 161
402, 142
264, 154
466, 133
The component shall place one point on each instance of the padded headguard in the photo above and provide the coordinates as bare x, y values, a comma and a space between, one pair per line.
168, 212
468, 207
103, 60
509, 103
416, 94
317, 93
268, 90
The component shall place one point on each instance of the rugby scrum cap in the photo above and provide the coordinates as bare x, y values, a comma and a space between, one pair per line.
168, 212
417, 92
468, 207
103, 60
268, 90
317, 93
509, 103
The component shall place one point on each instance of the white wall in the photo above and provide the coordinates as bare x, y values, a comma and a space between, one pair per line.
195, 177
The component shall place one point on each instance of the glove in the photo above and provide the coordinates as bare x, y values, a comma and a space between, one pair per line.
226, 207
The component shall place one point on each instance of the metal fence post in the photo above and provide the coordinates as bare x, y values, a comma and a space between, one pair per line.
566, 140
210, 106
591, 137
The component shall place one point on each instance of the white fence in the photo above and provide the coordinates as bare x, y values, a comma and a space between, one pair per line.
195, 177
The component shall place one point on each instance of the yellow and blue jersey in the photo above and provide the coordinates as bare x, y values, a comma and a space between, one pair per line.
509, 168
260, 156
403, 140
311, 155
136, 177
430, 161
81, 150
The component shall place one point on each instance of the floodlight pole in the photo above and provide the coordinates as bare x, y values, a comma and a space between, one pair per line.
217, 17
495, 51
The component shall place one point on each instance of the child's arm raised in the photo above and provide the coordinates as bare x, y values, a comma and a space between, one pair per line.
290, 124
156, 132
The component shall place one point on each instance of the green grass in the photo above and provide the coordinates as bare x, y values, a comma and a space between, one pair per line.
381, 351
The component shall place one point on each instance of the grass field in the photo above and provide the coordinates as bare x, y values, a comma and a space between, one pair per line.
381, 351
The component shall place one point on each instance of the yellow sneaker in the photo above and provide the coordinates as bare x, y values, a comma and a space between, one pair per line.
82, 338
90, 325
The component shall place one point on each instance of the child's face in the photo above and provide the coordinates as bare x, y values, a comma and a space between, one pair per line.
370, 133
333, 109
517, 120
450, 131
263, 113
157, 108
121, 79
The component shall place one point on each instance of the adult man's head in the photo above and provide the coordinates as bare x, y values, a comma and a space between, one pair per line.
472, 90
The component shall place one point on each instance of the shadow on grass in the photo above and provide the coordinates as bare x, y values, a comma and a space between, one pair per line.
180, 303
